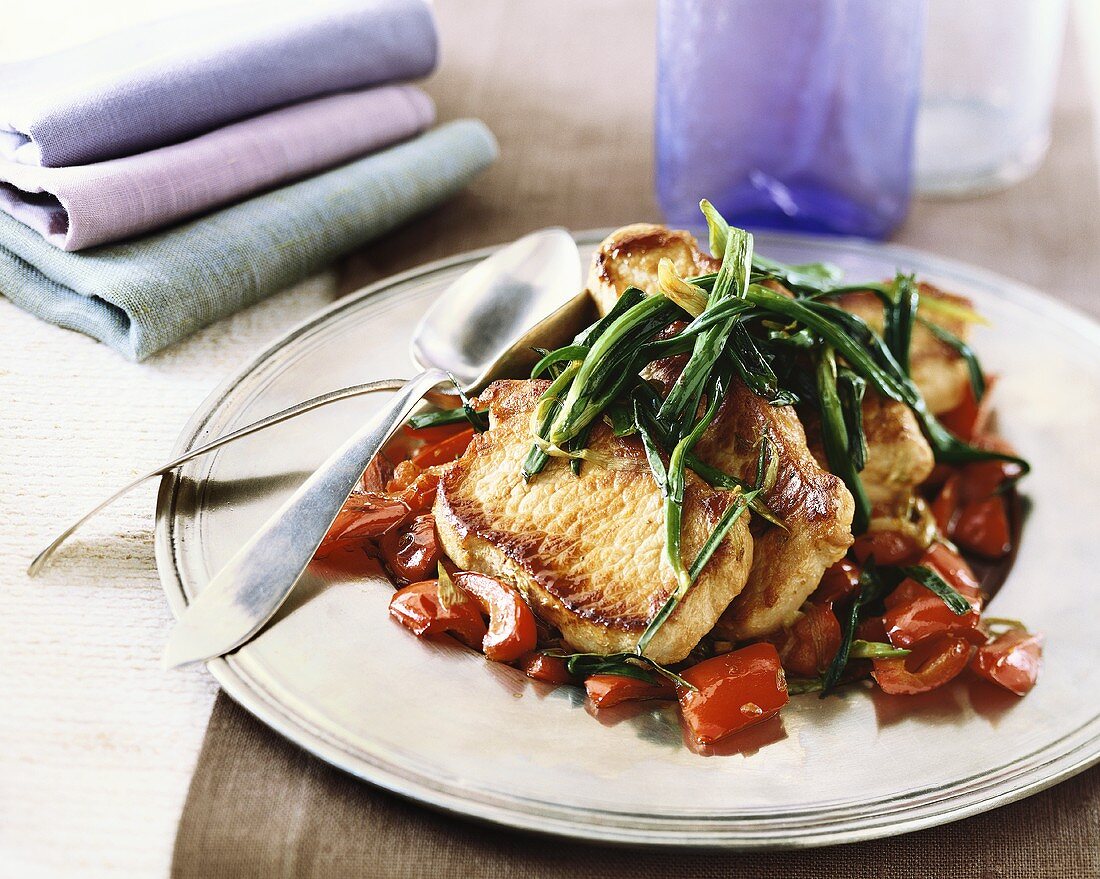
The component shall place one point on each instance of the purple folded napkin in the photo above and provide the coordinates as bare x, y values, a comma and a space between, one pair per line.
169, 80
83, 205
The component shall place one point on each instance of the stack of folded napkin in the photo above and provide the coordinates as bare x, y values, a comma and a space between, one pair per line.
160, 179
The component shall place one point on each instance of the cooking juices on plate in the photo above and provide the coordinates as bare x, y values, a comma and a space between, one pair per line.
746, 480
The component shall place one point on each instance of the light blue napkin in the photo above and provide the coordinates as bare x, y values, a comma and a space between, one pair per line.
142, 295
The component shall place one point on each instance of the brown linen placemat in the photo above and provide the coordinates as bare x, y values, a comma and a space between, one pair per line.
567, 87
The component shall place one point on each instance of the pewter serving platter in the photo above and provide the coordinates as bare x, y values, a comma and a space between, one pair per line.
441, 725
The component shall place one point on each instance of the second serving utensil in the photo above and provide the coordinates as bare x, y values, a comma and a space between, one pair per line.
482, 327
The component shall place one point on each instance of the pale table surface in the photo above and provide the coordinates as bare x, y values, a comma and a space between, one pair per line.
97, 742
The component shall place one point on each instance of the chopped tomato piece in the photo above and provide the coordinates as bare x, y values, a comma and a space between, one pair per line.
412, 551
444, 452
980, 479
512, 629
945, 507
839, 581
887, 548
983, 528
1010, 660
418, 608
932, 664
812, 642
549, 669
918, 613
733, 691
608, 690
953, 568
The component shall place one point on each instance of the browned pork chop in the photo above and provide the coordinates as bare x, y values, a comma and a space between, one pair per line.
628, 257
586, 551
816, 506
898, 456
938, 370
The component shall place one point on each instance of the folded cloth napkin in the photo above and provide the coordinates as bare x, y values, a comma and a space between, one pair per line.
82, 205
142, 295
168, 80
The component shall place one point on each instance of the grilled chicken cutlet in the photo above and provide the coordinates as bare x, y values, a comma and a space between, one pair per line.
815, 505
938, 370
585, 551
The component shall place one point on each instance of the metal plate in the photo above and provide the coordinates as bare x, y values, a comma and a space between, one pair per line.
443, 726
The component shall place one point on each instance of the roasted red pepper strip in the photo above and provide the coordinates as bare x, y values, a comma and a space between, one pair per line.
953, 568
914, 613
931, 664
367, 514
983, 528
608, 690
945, 507
733, 691
839, 581
412, 551
887, 548
418, 608
512, 629
1010, 660
548, 669
969, 419
437, 433
444, 452
812, 642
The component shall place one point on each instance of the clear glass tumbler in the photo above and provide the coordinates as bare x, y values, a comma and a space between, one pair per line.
990, 71
790, 114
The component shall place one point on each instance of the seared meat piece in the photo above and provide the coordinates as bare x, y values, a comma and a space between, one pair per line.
898, 456
938, 370
815, 505
628, 257
585, 551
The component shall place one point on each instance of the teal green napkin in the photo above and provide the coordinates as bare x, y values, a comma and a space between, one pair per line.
142, 295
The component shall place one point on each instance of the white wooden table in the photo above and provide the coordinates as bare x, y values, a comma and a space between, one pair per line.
97, 742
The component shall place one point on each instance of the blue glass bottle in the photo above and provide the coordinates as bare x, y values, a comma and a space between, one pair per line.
788, 114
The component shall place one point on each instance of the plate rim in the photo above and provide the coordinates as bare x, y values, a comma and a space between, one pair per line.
641, 830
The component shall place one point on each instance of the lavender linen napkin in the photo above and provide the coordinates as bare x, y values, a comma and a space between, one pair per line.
168, 80
83, 205
142, 295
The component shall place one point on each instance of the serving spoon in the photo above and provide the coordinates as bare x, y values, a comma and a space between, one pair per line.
482, 327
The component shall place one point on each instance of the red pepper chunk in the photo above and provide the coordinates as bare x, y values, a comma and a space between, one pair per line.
418, 608
969, 419
953, 568
1010, 660
983, 528
914, 613
412, 552
444, 452
606, 691
886, 547
548, 669
813, 641
512, 630
945, 507
365, 514
839, 581
932, 664
733, 691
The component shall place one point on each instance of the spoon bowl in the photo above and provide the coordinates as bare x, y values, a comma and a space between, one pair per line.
479, 323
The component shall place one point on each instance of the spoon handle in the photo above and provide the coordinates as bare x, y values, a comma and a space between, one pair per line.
251, 587
277, 418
